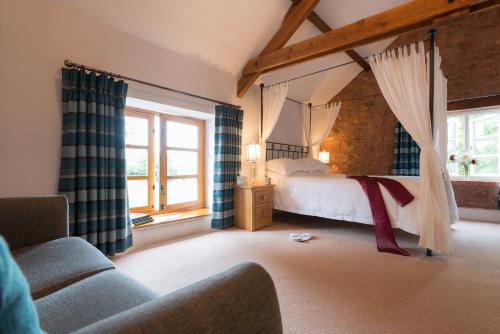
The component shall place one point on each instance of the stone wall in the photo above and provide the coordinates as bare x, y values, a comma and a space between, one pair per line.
473, 194
362, 139
361, 142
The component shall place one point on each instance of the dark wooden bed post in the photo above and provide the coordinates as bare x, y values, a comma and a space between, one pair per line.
310, 122
432, 37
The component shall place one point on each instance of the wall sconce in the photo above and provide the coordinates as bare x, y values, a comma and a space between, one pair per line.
324, 157
253, 154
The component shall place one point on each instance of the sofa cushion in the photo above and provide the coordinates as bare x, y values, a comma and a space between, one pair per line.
52, 265
90, 300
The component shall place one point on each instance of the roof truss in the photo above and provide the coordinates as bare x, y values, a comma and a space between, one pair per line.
413, 15
322, 26
292, 21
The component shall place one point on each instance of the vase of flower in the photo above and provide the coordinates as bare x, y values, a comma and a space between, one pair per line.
466, 161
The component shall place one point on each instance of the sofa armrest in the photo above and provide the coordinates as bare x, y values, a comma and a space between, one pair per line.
240, 300
26, 221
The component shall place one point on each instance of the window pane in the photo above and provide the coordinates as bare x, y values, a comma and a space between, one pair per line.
137, 193
484, 125
137, 162
452, 168
136, 131
182, 190
485, 146
182, 163
456, 140
487, 166
182, 135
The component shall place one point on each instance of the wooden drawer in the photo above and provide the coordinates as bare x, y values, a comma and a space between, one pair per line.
263, 213
262, 223
262, 197
254, 207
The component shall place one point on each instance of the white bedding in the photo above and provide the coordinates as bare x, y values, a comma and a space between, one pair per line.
336, 197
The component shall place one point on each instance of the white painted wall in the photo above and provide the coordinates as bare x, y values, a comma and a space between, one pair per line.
288, 129
146, 236
36, 36
226, 34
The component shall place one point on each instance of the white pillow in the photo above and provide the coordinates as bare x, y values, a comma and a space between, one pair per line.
283, 167
309, 165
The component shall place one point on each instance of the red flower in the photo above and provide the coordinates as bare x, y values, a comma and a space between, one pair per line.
473, 161
453, 157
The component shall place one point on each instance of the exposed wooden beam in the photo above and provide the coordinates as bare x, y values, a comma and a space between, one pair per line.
358, 59
318, 22
412, 15
322, 26
473, 103
485, 5
294, 18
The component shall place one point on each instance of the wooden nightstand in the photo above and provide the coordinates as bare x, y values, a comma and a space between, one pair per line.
254, 207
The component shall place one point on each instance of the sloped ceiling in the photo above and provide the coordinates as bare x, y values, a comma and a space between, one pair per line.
227, 33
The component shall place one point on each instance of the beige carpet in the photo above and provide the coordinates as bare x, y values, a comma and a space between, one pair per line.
338, 282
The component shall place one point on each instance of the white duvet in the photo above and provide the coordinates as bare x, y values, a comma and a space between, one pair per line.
336, 197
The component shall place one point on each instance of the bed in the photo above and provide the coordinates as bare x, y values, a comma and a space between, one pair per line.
334, 196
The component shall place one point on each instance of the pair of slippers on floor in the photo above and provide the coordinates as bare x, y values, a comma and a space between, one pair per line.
300, 236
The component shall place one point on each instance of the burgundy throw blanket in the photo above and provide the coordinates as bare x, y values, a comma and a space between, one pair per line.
386, 242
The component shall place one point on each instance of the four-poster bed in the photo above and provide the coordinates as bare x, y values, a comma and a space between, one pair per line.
402, 76
333, 196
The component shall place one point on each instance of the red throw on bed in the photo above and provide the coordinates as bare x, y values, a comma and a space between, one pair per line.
386, 242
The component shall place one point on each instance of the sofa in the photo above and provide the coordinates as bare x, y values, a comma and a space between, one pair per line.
76, 288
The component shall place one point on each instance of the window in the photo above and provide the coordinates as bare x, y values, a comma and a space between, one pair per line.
181, 168
476, 134
179, 162
139, 152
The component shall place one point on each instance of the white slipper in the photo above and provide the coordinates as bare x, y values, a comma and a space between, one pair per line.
300, 237
305, 236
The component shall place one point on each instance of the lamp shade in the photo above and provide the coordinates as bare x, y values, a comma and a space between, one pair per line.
324, 157
253, 152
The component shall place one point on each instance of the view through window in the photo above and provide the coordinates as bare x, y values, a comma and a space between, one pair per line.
474, 143
165, 167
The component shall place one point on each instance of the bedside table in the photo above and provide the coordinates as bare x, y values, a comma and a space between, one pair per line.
254, 206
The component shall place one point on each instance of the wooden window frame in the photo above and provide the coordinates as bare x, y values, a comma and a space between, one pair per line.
200, 203
468, 139
138, 113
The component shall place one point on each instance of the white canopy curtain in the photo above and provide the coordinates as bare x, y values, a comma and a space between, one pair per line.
273, 100
441, 130
318, 122
403, 80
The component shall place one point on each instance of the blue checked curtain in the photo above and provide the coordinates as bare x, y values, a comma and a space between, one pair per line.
406, 159
93, 175
228, 125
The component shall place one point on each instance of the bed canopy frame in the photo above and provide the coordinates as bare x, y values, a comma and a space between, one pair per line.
432, 44
276, 150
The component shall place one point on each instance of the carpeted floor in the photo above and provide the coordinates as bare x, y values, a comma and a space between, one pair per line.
338, 282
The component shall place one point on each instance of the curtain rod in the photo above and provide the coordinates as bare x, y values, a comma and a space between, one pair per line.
307, 104
333, 67
70, 64
294, 101
452, 100
380, 94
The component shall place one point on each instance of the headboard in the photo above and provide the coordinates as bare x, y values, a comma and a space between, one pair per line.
285, 151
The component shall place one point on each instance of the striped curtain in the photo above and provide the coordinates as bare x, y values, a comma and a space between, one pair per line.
228, 125
406, 159
498, 202
92, 174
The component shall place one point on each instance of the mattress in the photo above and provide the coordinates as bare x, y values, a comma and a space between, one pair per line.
340, 198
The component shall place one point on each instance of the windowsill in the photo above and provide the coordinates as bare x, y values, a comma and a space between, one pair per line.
475, 178
175, 217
